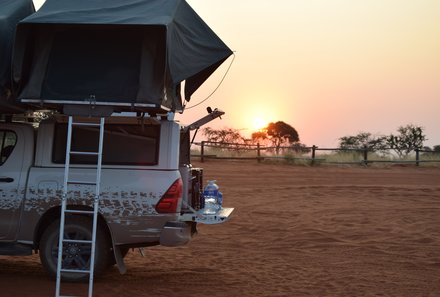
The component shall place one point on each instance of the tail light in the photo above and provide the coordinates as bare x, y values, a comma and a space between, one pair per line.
170, 200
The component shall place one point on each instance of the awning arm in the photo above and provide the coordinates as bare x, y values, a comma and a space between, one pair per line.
213, 114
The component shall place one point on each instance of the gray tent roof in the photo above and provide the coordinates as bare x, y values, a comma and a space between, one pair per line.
118, 51
11, 12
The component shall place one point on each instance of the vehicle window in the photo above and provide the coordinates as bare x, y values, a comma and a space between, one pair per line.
8, 139
123, 144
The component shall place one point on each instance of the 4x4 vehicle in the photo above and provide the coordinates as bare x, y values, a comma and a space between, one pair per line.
150, 193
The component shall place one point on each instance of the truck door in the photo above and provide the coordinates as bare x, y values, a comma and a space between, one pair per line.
11, 162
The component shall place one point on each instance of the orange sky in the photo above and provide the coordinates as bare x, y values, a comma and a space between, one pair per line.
328, 68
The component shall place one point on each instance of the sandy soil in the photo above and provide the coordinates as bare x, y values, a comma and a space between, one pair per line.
296, 231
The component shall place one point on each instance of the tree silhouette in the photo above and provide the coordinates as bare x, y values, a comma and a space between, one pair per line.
410, 138
362, 140
279, 134
225, 135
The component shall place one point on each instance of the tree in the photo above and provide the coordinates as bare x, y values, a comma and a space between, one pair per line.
225, 135
278, 134
260, 137
362, 140
434, 151
39, 116
300, 148
410, 138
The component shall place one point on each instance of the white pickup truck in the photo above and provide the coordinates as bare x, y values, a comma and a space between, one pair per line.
150, 193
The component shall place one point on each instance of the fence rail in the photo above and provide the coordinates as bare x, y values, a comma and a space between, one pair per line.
312, 151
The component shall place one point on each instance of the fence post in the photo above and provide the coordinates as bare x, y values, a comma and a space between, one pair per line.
314, 147
202, 151
258, 153
417, 157
365, 155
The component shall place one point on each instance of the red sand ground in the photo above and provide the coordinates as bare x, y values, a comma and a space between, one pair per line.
296, 231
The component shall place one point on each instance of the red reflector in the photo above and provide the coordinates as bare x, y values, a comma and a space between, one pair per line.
170, 200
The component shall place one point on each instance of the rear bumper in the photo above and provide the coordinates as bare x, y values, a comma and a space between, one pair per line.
175, 234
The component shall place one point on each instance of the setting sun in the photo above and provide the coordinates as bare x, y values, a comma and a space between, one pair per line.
259, 123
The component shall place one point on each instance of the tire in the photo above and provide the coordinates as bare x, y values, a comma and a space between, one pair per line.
76, 255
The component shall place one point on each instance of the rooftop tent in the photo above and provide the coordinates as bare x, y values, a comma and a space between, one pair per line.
11, 12
129, 54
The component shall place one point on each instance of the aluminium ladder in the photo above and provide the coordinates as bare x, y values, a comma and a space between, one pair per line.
65, 210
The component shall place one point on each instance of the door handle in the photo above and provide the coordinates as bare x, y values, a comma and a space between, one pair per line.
6, 179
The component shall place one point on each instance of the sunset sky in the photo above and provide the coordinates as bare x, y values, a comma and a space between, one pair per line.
329, 68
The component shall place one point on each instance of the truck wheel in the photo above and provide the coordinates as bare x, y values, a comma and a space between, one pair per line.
75, 255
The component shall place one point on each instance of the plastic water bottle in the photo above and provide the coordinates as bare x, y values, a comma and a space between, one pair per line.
213, 198
220, 199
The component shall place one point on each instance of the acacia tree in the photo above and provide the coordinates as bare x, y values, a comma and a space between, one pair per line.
279, 134
362, 140
225, 135
410, 138
260, 137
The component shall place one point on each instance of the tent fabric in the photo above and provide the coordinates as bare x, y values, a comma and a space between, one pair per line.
116, 51
11, 12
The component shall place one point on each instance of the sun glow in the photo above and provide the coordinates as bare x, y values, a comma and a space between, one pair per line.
259, 123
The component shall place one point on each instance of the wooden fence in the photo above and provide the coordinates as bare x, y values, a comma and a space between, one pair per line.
313, 158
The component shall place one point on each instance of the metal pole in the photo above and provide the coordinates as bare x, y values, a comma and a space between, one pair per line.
258, 153
202, 151
63, 207
365, 155
417, 157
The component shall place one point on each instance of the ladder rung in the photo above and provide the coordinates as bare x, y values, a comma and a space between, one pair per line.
84, 153
75, 270
77, 241
86, 124
76, 182
79, 211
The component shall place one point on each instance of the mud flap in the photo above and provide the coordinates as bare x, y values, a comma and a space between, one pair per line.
119, 260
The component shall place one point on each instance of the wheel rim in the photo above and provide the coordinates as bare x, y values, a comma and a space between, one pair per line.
75, 256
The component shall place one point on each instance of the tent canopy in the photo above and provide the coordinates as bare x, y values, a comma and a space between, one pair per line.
125, 53
11, 12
